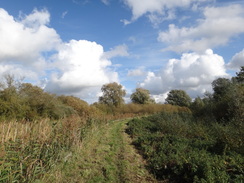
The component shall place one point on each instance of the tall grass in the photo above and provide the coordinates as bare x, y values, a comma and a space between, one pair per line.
28, 150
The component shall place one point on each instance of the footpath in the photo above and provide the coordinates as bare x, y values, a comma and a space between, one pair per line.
105, 155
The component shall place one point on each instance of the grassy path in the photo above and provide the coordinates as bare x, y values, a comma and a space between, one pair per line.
104, 156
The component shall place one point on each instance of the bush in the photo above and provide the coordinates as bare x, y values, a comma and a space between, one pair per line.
177, 149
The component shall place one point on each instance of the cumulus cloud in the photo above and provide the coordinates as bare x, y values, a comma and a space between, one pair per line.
30, 49
24, 40
193, 73
36, 19
19, 71
155, 9
237, 61
81, 69
216, 29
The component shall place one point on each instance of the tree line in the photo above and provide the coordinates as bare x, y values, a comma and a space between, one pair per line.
26, 101
226, 103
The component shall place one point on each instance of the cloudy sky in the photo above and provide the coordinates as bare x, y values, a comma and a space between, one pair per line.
73, 47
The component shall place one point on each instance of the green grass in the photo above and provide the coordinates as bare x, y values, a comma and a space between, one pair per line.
105, 155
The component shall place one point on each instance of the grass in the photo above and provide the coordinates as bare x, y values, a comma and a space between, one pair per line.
105, 155
29, 149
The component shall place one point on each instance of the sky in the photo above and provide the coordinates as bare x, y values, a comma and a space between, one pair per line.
73, 47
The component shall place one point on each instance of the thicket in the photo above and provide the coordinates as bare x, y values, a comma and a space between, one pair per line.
225, 104
178, 149
26, 101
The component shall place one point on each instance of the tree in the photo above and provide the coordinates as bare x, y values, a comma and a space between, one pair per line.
227, 101
141, 96
178, 97
112, 94
11, 104
240, 75
221, 87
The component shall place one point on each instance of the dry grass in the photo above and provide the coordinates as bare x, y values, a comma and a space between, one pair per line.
25, 131
29, 149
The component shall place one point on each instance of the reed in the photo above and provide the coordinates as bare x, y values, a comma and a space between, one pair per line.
29, 149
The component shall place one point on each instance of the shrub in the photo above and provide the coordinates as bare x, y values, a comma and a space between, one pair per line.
177, 149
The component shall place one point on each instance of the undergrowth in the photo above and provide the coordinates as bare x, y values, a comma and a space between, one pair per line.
177, 149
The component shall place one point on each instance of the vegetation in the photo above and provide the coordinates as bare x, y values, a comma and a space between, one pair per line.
39, 130
43, 137
240, 76
225, 105
178, 149
203, 145
112, 94
106, 156
141, 96
178, 97
25, 101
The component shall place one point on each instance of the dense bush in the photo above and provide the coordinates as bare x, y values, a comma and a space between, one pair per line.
177, 149
225, 104
25, 101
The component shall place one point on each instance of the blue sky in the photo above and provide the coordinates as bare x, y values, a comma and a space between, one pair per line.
73, 47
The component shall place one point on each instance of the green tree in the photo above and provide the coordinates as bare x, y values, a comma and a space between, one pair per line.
221, 98
11, 104
240, 76
178, 97
141, 96
197, 106
221, 87
227, 99
112, 94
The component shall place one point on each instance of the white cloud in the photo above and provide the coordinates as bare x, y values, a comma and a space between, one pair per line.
237, 61
82, 70
216, 29
17, 70
120, 50
24, 40
36, 18
156, 20
153, 83
160, 98
155, 8
193, 73
30, 49
137, 72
